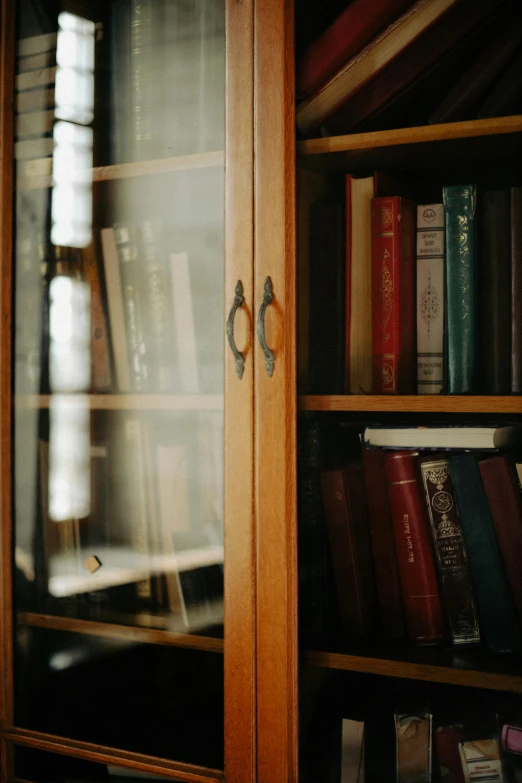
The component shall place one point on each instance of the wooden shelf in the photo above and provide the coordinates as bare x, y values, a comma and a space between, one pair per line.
203, 160
126, 402
437, 403
433, 665
126, 632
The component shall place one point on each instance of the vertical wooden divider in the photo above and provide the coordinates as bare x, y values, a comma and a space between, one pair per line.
240, 704
6, 228
275, 397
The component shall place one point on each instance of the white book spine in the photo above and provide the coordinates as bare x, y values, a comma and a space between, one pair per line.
430, 298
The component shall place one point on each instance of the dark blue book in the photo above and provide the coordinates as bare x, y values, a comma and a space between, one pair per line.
498, 619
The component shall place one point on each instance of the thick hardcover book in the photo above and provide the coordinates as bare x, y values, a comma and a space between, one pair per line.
360, 328
505, 503
497, 613
101, 379
449, 437
430, 298
494, 284
391, 612
459, 206
414, 743
446, 742
450, 551
326, 316
358, 24
506, 34
131, 272
350, 548
420, 591
368, 62
516, 289
405, 71
393, 295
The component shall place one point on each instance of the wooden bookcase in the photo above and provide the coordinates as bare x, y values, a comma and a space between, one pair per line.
267, 676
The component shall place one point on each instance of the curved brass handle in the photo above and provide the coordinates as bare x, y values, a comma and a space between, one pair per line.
236, 304
268, 296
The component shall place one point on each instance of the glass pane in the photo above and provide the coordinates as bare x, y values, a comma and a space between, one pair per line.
118, 372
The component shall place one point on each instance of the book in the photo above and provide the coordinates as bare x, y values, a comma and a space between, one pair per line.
505, 504
101, 376
459, 206
494, 282
116, 309
511, 738
34, 123
184, 324
450, 551
420, 592
352, 751
479, 438
416, 65
481, 760
362, 190
36, 62
326, 345
497, 613
414, 746
430, 298
359, 23
34, 167
350, 548
516, 288
505, 95
393, 295
141, 79
42, 77
36, 44
446, 741
391, 612
34, 148
368, 62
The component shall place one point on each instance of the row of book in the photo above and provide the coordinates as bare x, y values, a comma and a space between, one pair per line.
407, 296
419, 544
384, 64
146, 545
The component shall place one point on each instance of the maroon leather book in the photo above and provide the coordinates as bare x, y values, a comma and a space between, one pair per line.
505, 504
349, 536
391, 612
420, 591
516, 290
412, 64
358, 24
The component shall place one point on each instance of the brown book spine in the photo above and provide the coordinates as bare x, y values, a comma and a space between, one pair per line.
450, 551
516, 290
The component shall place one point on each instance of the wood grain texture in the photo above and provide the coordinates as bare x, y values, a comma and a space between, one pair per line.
425, 403
275, 399
106, 755
240, 718
426, 133
134, 402
6, 249
116, 631
454, 675
142, 168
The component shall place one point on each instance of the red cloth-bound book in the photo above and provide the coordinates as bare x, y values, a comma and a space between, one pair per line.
361, 21
393, 296
420, 592
505, 505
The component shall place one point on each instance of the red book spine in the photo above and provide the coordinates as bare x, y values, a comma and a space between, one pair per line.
505, 504
447, 740
358, 24
393, 295
419, 586
348, 532
383, 545
348, 281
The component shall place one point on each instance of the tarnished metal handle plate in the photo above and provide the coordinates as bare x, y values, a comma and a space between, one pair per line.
268, 296
238, 302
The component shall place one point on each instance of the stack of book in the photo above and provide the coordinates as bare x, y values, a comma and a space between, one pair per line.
408, 296
390, 64
423, 544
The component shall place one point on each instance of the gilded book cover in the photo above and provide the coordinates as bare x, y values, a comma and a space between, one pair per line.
450, 551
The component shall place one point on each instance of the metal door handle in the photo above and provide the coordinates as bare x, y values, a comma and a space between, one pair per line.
268, 296
238, 302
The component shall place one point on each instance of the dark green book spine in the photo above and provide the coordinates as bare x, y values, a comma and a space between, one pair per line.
497, 614
459, 205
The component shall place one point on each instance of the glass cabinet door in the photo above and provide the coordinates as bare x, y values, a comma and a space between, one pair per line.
120, 289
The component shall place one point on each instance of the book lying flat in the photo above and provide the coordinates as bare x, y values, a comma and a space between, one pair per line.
483, 438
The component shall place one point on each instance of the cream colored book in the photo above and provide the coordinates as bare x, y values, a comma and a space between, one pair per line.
34, 100
39, 78
352, 751
115, 305
361, 286
36, 44
34, 123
